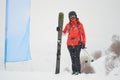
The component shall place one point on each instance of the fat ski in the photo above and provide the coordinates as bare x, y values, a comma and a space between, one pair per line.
59, 40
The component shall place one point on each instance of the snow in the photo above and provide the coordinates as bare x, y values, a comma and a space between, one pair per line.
64, 75
114, 74
7, 75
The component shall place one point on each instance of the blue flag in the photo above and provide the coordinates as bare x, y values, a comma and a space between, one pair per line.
17, 31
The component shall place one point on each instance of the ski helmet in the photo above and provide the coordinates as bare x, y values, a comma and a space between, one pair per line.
72, 14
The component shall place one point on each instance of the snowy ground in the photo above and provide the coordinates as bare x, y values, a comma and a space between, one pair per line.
64, 75
7, 75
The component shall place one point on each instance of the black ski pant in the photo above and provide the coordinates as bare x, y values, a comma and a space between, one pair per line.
75, 57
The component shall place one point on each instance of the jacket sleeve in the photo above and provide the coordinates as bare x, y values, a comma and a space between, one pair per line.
83, 36
65, 30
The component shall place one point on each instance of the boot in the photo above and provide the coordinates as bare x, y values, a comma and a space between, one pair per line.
73, 72
77, 72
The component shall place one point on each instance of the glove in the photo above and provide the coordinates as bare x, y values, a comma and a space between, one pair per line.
82, 45
58, 28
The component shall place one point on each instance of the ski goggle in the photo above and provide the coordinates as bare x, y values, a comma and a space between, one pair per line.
73, 16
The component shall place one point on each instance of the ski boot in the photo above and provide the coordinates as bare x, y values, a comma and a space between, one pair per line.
76, 72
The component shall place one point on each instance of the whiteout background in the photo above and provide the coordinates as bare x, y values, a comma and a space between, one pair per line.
99, 17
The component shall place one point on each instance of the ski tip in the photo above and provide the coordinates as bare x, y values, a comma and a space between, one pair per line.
61, 14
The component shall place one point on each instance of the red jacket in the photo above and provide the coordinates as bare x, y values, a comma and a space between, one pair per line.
75, 32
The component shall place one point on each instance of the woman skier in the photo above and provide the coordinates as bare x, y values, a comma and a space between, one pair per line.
76, 40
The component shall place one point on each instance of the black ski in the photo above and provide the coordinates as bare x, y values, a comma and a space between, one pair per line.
59, 40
